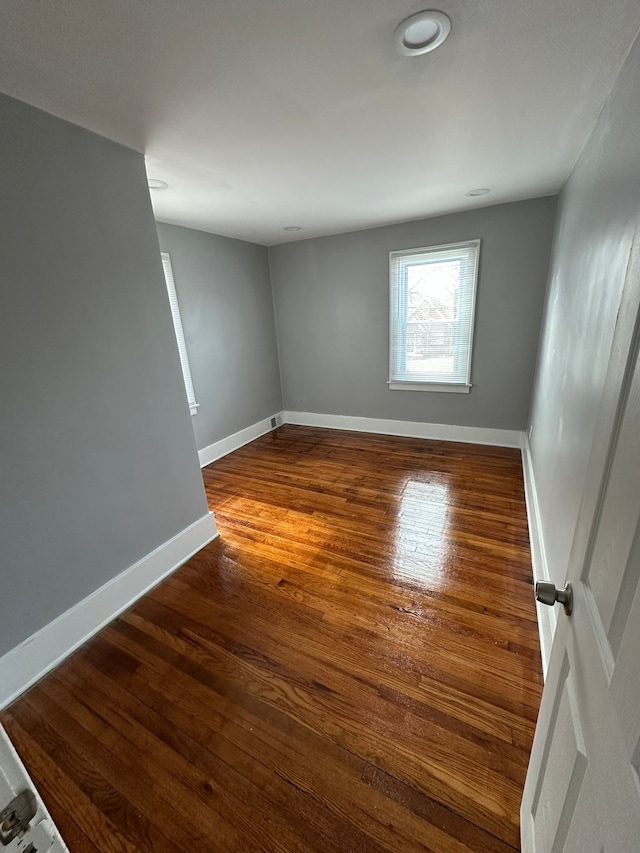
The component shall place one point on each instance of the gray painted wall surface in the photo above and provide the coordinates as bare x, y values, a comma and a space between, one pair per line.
598, 214
98, 461
226, 308
332, 314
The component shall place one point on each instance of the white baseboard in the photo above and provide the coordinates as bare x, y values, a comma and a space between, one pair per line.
28, 662
547, 616
410, 429
233, 442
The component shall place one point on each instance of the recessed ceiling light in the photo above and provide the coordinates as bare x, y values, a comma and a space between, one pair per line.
293, 228
421, 33
481, 191
156, 184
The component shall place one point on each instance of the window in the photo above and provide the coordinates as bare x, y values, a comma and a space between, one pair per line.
433, 294
177, 325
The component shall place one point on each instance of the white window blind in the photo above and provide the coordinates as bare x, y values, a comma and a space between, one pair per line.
432, 304
177, 324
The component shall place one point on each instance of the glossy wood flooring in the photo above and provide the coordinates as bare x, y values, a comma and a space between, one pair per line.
352, 666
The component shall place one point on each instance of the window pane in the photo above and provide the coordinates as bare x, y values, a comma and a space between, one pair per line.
177, 325
432, 305
432, 310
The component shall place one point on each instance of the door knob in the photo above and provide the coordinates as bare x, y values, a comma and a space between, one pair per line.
546, 593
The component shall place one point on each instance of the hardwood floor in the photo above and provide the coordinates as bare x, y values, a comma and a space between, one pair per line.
352, 666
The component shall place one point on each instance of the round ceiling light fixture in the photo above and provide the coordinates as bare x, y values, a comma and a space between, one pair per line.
421, 33
293, 228
156, 184
480, 191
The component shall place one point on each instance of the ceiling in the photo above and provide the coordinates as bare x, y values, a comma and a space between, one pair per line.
262, 115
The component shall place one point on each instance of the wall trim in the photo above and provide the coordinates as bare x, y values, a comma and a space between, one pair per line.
410, 429
38, 654
547, 616
237, 440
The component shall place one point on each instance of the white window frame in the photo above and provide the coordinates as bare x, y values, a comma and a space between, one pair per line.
180, 339
397, 383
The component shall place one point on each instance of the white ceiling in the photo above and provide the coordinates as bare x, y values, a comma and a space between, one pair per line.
266, 113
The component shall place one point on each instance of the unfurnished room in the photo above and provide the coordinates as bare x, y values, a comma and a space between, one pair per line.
320, 428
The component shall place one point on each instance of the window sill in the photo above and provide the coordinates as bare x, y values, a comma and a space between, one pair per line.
446, 387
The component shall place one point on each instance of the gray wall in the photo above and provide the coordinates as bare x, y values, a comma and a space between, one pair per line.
332, 314
98, 461
226, 308
598, 214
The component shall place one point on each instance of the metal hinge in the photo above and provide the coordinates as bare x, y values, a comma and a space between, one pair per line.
16, 817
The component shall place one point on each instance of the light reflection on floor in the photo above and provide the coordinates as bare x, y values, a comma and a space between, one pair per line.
420, 545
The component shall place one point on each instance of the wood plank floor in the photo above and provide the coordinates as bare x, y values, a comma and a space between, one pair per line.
352, 666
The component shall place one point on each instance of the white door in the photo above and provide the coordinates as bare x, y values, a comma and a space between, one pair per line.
41, 835
582, 792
